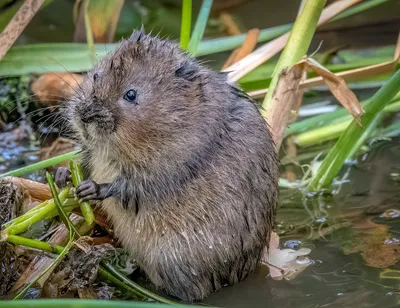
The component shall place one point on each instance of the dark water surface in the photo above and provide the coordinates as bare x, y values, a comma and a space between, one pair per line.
344, 272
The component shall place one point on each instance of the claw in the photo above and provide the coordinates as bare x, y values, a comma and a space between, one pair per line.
62, 177
87, 190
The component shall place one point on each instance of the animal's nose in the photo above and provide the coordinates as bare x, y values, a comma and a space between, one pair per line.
87, 117
89, 113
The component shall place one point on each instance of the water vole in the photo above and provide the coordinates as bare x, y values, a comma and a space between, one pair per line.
183, 161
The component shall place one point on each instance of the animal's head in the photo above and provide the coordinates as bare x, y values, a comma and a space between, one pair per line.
146, 95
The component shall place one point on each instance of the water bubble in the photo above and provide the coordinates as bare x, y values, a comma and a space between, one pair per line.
292, 244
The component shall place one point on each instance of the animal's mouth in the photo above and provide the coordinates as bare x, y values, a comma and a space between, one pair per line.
97, 125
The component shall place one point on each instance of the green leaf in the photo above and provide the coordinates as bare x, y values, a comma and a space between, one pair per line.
336, 157
41, 165
186, 22
200, 26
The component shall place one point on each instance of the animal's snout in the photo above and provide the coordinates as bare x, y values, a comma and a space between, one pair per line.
90, 113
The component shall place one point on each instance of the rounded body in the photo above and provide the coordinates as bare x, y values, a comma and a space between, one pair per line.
193, 169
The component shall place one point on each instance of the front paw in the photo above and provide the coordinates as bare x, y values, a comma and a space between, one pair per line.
62, 177
88, 190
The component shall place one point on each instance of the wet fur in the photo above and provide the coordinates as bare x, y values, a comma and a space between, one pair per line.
192, 165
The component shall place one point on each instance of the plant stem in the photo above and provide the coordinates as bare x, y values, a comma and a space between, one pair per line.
297, 45
41, 165
333, 162
108, 276
340, 114
27, 242
58, 202
333, 131
89, 32
77, 178
200, 26
370, 129
186, 23
135, 286
322, 134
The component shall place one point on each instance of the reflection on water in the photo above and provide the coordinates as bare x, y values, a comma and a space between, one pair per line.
354, 235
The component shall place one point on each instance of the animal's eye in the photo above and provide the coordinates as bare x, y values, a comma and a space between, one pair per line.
130, 96
95, 76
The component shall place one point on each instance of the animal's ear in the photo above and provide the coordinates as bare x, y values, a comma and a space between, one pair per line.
137, 35
188, 71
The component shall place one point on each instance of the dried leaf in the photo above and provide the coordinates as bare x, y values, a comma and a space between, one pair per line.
284, 263
338, 88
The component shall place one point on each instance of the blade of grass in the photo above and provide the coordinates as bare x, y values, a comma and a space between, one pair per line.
323, 119
200, 26
89, 32
41, 165
334, 130
364, 137
333, 162
109, 268
366, 5
323, 134
186, 23
58, 203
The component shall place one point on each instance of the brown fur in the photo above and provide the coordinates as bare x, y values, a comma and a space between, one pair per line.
191, 163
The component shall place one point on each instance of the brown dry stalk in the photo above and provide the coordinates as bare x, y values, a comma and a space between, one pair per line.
231, 26
287, 92
18, 24
247, 47
267, 51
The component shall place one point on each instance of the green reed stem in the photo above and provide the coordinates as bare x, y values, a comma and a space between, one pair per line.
27, 242
200, 26
333, 162
58, 202
340, 114
89, 33
186, 23
369, 131
77, 178
108, 267
41, 165
297, 45
333, 131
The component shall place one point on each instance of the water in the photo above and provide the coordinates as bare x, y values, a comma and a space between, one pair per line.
344, 272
